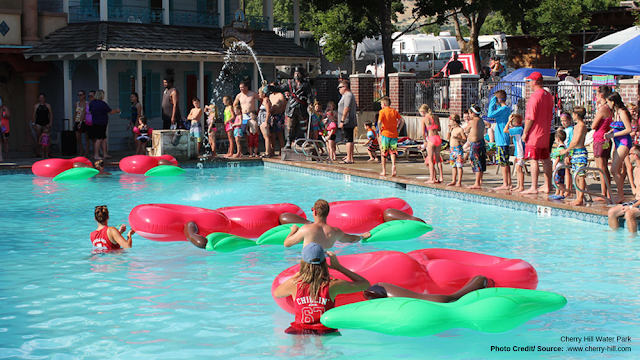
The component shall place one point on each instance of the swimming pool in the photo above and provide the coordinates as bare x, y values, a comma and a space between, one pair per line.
172, 300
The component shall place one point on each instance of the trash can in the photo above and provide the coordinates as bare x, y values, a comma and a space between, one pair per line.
68, 144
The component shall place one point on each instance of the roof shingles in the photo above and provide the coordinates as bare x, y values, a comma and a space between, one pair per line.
147, 38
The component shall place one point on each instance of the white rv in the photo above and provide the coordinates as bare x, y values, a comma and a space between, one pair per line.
421, 54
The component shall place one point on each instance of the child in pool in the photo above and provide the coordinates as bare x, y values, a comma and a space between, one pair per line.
99, 165
456, 138
237, 131
45, 141
372, 142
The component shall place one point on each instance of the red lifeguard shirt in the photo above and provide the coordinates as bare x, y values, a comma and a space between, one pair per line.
100, 240
308, 312
540, 110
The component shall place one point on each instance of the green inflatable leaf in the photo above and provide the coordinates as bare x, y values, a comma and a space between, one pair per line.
276, 235
165, 170
81, 173
398, 230
224, 242
492, 310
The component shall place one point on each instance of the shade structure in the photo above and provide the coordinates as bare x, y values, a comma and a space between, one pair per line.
611, 41
622, 60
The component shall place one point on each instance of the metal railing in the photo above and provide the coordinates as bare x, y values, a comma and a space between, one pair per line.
586, 191
433, 92
136, 14
84, 13
315, 146
194, 18
258, 22
284, 29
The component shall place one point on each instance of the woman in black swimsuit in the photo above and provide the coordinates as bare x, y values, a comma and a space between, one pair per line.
42, 116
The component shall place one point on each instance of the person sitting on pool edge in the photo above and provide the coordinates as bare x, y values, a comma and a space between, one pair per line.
630, 209
107, 237
314, 291
319, 231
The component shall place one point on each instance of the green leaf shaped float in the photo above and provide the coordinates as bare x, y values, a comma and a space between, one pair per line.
81, 173
223, 242
165, 170
276, 235
492, 310
398, 230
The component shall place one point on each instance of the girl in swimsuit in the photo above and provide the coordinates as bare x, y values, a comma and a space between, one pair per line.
601, 147
107, 237
620, 130
316, 289
431, 125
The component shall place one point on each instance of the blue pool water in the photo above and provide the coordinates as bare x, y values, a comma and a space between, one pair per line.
172, 300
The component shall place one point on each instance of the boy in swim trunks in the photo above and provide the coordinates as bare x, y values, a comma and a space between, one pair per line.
372, 142
388, 125
478, 151
499, 111
578, 152
514, 129
456, 138
630, 209
558, 160
252, 134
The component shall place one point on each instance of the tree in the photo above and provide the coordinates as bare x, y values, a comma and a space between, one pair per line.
340, 31
379, 15
471, 13
553, 21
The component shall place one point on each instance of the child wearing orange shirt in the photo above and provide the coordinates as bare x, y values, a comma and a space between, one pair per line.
388, 125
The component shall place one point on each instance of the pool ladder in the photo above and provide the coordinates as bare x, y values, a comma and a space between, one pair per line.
315, 147
586, 190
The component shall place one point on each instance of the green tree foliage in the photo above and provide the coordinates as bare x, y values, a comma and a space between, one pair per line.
496, 23
283, 11
339, 30
553, 21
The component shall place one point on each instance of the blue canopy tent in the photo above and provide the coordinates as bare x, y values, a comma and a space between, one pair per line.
621, 60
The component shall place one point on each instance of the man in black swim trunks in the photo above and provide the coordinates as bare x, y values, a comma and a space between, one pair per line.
296, 111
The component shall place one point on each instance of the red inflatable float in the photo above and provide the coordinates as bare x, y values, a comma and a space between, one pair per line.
358, 216
432, 271
166, 222
52, 167
140, 164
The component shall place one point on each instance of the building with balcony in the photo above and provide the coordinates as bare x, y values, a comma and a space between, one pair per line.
125, 46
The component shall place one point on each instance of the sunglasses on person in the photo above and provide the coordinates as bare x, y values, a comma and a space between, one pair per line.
80, 94
340, 87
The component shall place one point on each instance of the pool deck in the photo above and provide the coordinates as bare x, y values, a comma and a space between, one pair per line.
411, 171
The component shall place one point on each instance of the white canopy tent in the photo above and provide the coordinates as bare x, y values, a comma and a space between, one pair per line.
609, 42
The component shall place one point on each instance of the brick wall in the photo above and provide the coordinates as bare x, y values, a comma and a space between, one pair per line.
398, 82
362, 89
629, 90
327, 89
462, 92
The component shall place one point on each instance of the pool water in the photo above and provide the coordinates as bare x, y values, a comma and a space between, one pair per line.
172, 300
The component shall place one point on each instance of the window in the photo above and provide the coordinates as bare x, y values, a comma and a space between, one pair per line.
152, 94
127, 85
209, 7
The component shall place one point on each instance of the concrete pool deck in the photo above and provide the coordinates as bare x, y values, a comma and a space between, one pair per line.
411, 171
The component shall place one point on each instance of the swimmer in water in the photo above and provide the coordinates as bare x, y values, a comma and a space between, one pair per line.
319, 231
99, 165
314, 291
107, 237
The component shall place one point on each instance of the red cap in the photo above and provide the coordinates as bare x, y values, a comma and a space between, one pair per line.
534, 76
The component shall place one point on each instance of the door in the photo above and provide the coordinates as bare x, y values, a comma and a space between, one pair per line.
191, 91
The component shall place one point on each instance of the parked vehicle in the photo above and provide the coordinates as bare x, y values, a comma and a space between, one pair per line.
378, 68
